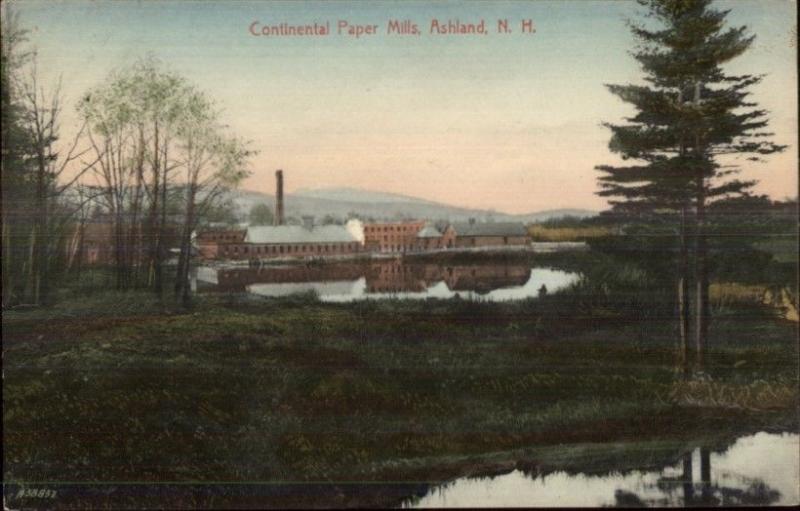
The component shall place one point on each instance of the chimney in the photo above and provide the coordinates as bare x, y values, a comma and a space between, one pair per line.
308, 222
278, 197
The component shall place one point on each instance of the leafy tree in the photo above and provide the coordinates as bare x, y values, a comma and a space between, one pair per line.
170, 153
222, 213
136, 114
261, 214
690, 118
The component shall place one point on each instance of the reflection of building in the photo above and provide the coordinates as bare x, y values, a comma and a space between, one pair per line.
391, 236
486, 234
237, 279
485, 277
393, 276
386, 276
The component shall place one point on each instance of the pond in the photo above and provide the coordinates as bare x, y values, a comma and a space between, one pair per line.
760, 469
388, 278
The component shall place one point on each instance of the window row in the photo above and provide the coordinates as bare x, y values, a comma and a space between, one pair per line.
289, 249
370, 229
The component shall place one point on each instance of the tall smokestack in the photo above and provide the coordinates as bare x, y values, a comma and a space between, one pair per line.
278, 197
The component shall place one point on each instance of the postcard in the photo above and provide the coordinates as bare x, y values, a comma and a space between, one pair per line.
399, 254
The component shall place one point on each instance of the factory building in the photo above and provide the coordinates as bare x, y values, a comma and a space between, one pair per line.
391, 237
279, 240
487, 234
210, 240
308, 240
429, 238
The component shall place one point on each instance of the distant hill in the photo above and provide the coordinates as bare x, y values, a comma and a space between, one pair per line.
341, 202
358, 195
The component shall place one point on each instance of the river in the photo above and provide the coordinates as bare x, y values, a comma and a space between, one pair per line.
760, 469
388, 278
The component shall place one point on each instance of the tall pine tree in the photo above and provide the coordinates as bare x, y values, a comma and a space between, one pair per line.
691, 115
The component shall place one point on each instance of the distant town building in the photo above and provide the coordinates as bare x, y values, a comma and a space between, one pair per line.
392, 237
485, 234
98, 243
95, 242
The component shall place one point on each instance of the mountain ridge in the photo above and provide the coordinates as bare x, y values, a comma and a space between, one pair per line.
377, 205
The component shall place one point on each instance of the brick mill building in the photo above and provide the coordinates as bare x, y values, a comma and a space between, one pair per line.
392, 237
429, 238
487, 234
210, 241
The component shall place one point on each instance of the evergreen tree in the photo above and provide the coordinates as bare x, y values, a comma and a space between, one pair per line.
691, 116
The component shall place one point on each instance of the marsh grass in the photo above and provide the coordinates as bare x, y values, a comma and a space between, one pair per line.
758, 395
298, 390
117, 387
539, 232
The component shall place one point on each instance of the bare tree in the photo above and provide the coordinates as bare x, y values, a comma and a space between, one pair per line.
40, 119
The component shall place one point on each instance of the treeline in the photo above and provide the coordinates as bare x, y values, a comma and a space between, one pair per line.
747, 238
150, 154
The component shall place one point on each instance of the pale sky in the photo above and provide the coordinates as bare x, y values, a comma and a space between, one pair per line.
503, 121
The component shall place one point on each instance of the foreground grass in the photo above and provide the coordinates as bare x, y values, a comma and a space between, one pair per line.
294, 390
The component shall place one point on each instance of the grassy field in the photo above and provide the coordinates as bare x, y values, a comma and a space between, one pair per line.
294, 390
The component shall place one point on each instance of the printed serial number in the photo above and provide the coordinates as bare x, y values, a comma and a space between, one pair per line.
39, 493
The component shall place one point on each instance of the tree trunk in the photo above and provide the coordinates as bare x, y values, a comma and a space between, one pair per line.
162, 226
135, 230
702, 309
78, 261
119, 251
184, 261
683, 296
701, 249
38, 239
153, 214
6, 258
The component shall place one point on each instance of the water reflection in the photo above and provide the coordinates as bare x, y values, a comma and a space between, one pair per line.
762, 469
393, 278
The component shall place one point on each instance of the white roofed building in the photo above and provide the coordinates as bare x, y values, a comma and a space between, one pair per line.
283, 241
